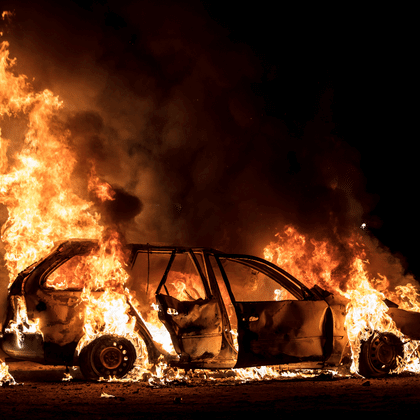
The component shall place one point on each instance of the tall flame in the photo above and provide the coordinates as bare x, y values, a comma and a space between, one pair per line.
36, 186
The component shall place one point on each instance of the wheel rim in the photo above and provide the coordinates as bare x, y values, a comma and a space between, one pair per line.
383, 353
112, 357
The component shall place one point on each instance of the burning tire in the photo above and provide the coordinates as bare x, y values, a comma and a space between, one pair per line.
379, 353
107, 357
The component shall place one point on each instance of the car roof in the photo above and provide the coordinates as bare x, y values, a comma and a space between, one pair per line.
171, 248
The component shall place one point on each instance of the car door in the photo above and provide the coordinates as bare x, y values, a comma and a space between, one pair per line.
188, 310
274, 327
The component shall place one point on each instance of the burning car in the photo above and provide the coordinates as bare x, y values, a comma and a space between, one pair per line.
220, 310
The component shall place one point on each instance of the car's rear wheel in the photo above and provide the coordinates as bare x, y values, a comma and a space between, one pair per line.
379, 354
107, 357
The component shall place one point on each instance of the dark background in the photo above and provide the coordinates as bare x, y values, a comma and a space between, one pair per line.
222, 122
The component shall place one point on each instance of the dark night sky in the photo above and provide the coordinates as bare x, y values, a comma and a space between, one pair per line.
241, 118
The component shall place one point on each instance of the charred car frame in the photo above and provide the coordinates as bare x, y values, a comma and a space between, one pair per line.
221, 311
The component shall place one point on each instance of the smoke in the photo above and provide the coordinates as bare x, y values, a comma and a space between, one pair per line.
165, 101
162, 105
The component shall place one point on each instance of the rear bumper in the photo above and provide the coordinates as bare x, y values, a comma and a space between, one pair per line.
25, 346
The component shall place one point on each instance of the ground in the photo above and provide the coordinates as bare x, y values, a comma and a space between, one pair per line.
41, 393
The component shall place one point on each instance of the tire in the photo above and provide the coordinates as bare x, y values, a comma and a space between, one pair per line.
378, 354
107, 357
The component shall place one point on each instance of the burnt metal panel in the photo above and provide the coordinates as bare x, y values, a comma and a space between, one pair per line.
60, 314
337, 306
195, 327
25, 346
407, 322
281, 332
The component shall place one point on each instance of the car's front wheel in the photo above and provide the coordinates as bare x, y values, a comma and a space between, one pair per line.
379, 354
107, 357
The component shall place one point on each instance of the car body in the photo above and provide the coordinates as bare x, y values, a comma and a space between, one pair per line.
221, 311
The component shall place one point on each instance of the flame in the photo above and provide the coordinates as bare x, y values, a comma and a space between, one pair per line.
36, 185
5, 376
21, 324
309, 260
185, 286
43, 208
366, 311
100, 188
314, 262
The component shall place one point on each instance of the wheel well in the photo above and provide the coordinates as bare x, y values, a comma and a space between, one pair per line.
152, 350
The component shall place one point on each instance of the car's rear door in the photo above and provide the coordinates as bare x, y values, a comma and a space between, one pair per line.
192, 316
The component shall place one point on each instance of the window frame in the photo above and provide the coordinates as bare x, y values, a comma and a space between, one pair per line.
196, 265
284, 279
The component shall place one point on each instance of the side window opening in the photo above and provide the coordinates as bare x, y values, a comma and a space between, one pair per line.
251, 285
199, 258
221, 283
146, 273
184, 282
230, 309
72, 274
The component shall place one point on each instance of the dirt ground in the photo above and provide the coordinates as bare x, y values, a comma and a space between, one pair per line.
41, 393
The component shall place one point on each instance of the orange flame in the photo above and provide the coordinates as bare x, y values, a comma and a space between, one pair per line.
36, 186
101, 189
306, 259
314, 262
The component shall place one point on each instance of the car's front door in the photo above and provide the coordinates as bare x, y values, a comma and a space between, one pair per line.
273, 326
192, 316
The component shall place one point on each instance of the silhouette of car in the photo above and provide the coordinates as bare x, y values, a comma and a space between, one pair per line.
221, 311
